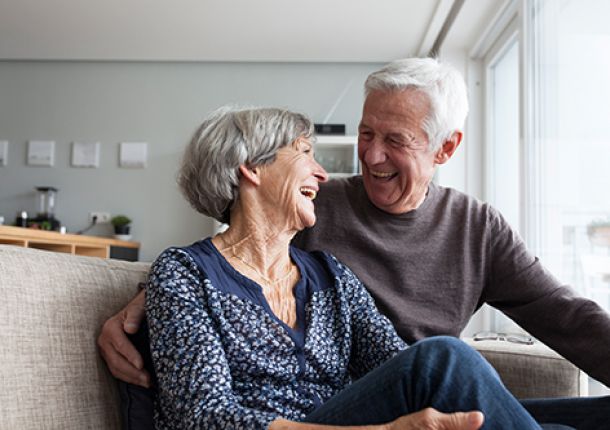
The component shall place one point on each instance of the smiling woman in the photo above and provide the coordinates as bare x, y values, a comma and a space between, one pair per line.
230, 138
285, 189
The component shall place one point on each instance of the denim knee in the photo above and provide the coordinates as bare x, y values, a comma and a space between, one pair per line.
448, 353
445, 345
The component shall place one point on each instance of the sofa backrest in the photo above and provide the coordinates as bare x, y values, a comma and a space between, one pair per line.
52, 307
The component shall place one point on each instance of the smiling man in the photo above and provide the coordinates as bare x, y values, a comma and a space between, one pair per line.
432, 256
397, 162
429, 255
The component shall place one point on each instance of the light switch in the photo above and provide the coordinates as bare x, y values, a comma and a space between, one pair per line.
133, 154
41, 152
85, 154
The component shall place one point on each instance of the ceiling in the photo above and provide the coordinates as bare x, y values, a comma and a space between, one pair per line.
234, 30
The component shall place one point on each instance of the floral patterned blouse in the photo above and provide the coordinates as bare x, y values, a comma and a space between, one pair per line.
224, 360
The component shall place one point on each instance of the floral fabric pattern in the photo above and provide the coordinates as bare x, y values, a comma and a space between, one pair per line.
224, 361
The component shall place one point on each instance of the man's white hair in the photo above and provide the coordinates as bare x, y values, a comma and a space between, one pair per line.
443, 85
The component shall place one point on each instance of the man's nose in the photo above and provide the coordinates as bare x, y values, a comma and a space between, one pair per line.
375, 152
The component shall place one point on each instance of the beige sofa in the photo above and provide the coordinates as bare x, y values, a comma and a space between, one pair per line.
51, 376
52, 307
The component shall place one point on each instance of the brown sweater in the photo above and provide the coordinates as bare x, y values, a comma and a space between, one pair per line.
430, 269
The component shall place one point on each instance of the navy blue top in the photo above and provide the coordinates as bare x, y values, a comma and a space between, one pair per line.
228, 280
224, 360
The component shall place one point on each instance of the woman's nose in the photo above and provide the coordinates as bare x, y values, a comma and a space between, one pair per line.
319, 172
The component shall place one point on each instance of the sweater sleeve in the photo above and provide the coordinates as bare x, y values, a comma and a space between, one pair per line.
575, 327
195, 386
374, 339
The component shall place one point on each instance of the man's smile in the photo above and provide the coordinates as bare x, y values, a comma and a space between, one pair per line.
383, 175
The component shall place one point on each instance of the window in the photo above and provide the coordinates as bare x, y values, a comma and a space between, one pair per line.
555, 187
566, 155
502, 148
502, 153
568, 141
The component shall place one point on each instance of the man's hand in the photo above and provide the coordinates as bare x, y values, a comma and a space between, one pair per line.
431, 419
122, 358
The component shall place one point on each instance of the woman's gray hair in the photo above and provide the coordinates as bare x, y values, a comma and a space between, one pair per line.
227, 138
441, 82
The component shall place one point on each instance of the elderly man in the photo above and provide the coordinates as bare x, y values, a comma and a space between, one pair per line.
430, 256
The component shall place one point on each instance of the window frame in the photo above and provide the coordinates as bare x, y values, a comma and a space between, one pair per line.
509, 35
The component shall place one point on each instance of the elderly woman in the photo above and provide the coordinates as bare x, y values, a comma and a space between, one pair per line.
248, 332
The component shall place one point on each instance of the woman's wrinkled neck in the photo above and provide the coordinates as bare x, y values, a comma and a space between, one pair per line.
257, 237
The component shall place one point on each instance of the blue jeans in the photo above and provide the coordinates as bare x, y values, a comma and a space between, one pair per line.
439, 372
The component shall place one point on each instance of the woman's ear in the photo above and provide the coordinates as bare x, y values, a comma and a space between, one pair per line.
251, 174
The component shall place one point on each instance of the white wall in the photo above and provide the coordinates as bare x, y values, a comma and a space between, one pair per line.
159, 103
464, 171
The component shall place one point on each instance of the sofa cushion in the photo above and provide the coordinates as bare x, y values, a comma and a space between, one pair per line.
533, 371
52, 308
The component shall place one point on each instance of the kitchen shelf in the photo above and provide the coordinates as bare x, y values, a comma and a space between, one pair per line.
90, 246
338, 154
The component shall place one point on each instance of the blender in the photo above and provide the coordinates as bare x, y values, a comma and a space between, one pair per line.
45, 220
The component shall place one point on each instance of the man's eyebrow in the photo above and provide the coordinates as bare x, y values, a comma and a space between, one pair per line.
404, 135
399, 135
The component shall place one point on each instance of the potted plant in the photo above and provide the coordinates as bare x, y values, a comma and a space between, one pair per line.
121, 224
599, 232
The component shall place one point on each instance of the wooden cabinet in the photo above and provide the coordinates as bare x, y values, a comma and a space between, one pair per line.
91, 246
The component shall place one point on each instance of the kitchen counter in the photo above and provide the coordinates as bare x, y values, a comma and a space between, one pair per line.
92, 246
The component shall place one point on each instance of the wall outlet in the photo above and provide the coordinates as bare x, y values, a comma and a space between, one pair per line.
101, 217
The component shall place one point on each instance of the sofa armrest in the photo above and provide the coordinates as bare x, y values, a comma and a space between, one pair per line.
533, 371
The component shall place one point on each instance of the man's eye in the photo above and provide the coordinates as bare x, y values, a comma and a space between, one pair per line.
365, 134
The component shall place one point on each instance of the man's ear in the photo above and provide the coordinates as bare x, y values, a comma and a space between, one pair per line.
251, 174
448, 148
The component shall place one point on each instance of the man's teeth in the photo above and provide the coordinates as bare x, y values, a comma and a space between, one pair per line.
381, 174
309, 192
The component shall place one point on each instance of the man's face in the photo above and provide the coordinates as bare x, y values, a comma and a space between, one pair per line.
393, 148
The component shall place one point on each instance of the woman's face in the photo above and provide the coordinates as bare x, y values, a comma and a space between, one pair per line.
290, 184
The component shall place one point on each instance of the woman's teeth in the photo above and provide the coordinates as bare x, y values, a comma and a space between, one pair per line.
309, 192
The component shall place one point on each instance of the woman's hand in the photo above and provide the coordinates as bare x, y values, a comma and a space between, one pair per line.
123, 360
427, 419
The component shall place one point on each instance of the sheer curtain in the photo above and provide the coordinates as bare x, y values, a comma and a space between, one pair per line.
567, 182
567, 142
503, 154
